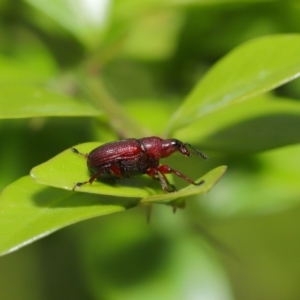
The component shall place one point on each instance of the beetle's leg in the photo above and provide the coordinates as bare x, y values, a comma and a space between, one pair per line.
79, 153
173, 187
78, 184
155, 174
164, 169
113, 168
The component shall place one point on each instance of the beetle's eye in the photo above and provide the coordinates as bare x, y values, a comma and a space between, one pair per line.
175, 143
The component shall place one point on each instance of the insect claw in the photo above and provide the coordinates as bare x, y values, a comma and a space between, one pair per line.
74, 150
78, 184
173, 189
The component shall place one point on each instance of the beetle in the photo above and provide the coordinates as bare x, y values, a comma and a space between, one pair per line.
131, 157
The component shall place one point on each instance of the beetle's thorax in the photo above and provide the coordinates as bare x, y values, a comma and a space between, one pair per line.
158, 148
153, 146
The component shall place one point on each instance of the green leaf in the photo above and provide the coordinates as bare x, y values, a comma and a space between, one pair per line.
84, 19
119, 119
260, 185
30, 211
264, 123
181, 261
251, 69
34, 66
26, 101
154, 36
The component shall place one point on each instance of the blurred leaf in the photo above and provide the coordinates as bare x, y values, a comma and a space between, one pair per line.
26, 101
30, 211
84, 19
251, 69
35, 65
263, 123
269, 246
154, 36
182, 265
263, 184
131, 9
123, 124
206, 2
154, 107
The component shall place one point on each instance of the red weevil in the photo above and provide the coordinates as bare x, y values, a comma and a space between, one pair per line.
132, 157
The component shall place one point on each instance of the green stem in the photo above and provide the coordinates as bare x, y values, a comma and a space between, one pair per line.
119, 119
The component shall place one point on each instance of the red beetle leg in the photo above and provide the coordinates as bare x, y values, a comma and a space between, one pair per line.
164, 169
90, 181
115, 170
173, 187
155, 174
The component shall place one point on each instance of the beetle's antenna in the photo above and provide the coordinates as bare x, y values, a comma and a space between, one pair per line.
204, 156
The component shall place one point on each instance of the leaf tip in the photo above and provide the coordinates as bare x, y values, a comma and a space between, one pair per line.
32, 174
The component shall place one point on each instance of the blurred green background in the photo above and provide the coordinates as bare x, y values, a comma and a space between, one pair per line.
240, 241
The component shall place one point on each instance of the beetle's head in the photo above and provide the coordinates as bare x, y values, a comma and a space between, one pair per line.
172, 145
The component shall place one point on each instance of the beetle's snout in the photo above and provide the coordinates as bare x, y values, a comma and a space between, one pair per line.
184, 150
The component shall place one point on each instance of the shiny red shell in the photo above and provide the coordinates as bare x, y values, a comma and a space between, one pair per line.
132, 157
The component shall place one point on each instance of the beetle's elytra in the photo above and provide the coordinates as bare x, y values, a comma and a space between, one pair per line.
132, 157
